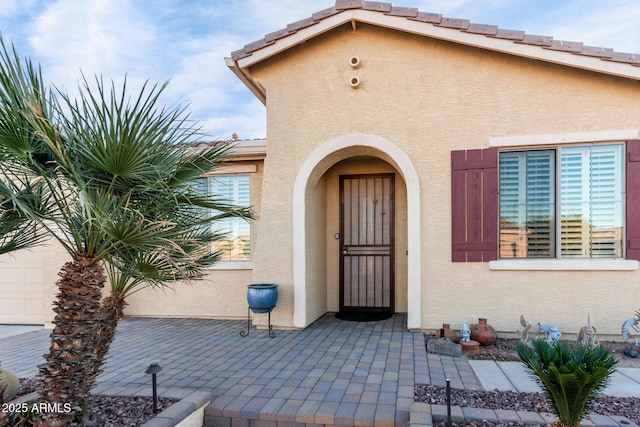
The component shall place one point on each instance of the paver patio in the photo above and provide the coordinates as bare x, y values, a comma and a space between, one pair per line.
332, 373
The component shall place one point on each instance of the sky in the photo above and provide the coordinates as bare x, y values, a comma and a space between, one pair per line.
186, 41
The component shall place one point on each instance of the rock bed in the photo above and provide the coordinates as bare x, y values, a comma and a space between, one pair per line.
533, 402
504, 350
113, 411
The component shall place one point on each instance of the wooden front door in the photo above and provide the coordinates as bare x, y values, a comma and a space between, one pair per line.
367, 242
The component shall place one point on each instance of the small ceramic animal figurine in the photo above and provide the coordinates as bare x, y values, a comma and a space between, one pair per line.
552, 333
466, 332
633, 322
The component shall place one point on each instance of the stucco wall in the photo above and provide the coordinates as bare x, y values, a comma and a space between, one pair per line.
316, 247
28, 285
430, 97
25, 286
30, 279
221, 293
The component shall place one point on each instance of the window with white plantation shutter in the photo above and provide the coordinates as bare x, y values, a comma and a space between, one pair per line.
574, 190
590, 202
527, 204
236, 190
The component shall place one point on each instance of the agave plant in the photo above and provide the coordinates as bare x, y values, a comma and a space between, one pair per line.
572, 379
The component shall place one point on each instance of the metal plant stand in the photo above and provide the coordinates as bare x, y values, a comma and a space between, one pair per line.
245, 333
262, 298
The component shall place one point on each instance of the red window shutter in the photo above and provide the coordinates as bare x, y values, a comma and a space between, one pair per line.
633, 200
474, 205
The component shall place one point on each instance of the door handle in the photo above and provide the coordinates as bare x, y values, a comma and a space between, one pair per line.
345, 251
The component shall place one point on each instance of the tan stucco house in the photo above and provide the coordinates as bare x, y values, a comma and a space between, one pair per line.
424, 165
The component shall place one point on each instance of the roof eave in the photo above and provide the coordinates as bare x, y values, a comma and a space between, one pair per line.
244, 76
455, 35
246, 149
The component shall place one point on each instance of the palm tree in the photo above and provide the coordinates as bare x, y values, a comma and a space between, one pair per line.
109, 177
571, 378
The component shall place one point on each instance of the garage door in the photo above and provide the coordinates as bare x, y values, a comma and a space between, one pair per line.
21, 279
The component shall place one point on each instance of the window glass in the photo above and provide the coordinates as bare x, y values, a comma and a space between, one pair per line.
590, 202
591, 195
235, 189
527, 204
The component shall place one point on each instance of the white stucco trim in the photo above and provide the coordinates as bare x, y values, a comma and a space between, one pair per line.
410, 175
563, 138
565, 265
233, 170
232, 265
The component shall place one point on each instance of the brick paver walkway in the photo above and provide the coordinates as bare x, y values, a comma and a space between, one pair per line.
333, 372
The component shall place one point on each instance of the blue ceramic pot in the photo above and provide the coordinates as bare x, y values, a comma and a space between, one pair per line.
262, 297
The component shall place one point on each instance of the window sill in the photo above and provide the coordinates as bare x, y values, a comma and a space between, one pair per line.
565, 265
232, 265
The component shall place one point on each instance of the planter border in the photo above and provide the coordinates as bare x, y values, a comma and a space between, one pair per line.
188, 411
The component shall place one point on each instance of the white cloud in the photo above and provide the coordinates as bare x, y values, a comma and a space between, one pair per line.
608, 24
268, 16
106, 37
248, 121
612, 25
186, 40
9, 8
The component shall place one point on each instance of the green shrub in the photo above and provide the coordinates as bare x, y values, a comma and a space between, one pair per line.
572, 378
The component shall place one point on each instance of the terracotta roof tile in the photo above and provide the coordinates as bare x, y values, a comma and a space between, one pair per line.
433, 18
277, 35
631, 58
325, 13
409, 12
303, 23
565, 46
509, 34
601, 52
377, 6
258, 44
413, 14
536, 40
239, 54
461, 24
490, 30
348, 4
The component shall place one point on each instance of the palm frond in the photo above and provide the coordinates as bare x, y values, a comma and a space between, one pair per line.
198, 162
22, 97
109, 175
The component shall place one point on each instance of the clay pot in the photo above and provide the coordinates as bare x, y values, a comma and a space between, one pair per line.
483, 333
448, 333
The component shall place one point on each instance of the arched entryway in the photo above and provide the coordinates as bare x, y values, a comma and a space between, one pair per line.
310, 260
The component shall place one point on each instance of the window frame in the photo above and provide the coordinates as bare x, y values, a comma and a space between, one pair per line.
554, 205
557, 206
235, 171
522, 142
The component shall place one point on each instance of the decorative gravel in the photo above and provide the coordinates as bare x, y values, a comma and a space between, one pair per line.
504, 350
113, 411
533, 402
125, 411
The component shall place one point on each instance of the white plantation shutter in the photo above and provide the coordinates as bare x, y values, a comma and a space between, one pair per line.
574, 194
541, 203
591, 188
527, 204
234, 189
